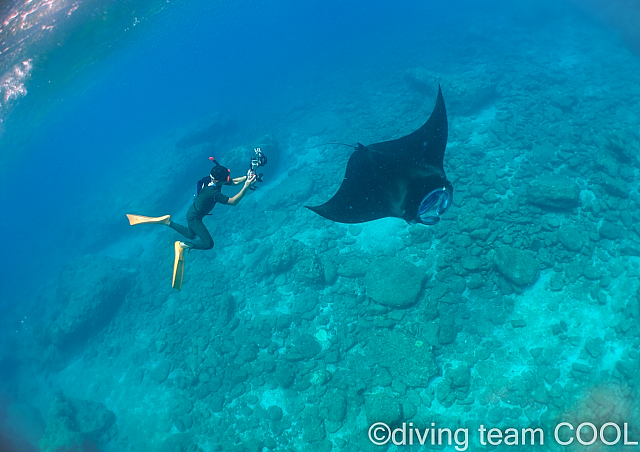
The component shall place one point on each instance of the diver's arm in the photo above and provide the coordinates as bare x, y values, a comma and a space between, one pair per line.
238, 180
247, 183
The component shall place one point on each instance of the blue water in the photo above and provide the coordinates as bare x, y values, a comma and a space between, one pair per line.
249, 62
258, 337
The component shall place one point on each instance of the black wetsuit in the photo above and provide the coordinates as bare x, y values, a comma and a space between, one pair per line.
205, 201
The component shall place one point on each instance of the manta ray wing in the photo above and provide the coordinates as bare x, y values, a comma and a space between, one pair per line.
393, 178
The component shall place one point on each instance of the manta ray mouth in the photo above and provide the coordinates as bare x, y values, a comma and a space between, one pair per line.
426, 212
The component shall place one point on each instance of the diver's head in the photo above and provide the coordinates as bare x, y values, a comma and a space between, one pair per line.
220, 175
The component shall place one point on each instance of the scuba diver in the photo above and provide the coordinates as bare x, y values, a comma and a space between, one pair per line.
209, 193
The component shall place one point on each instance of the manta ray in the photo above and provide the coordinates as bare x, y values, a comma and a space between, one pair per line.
401, 178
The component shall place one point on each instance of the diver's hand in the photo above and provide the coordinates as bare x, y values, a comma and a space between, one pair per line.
251, 179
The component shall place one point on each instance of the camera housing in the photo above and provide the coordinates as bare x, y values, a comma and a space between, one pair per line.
257, 160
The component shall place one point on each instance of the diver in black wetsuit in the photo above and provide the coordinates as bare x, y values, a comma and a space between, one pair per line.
209, 194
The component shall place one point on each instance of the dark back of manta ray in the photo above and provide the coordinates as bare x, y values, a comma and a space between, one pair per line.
391, 178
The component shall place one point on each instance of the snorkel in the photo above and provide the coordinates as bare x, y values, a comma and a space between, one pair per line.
219, 165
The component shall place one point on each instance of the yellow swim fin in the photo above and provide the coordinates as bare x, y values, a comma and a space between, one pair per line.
139, 219
178, 267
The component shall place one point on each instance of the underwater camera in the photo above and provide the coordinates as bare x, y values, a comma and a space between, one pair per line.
257, 160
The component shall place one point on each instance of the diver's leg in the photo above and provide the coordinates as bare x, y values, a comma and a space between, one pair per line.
205, 241
187, 232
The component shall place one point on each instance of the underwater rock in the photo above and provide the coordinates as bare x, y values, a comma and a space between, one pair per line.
542, 154
308, 269
447, 333
469, 223
284, 255
216, 403
580, 368
505, 287
90, 290
264, 325
334, 406
571, 238
430, 333
312, 425
553, 192
92, 419
181, 406
481, 234
226, 308
293, 255
444, 393
409, 410
313, 430
460, 376
382, 407
594, 346
623, 149
321, 377
355, 229
466, 92
283, 322
592, 272
330, 272
382, 378
394, 282
455, 285
285, 375
630, 251
238, 159
573, 270
608, 163
304, 348
420, 234
274, 413
564, 101
295, 190
473, 264
179, 442
305, 302
60, 434
615, 187
516, 265
280, 280
551, 376
139, 357
161, 371
495, 415
352, 268
476, 281
408, 360
626, 368
609, 230
74, 424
